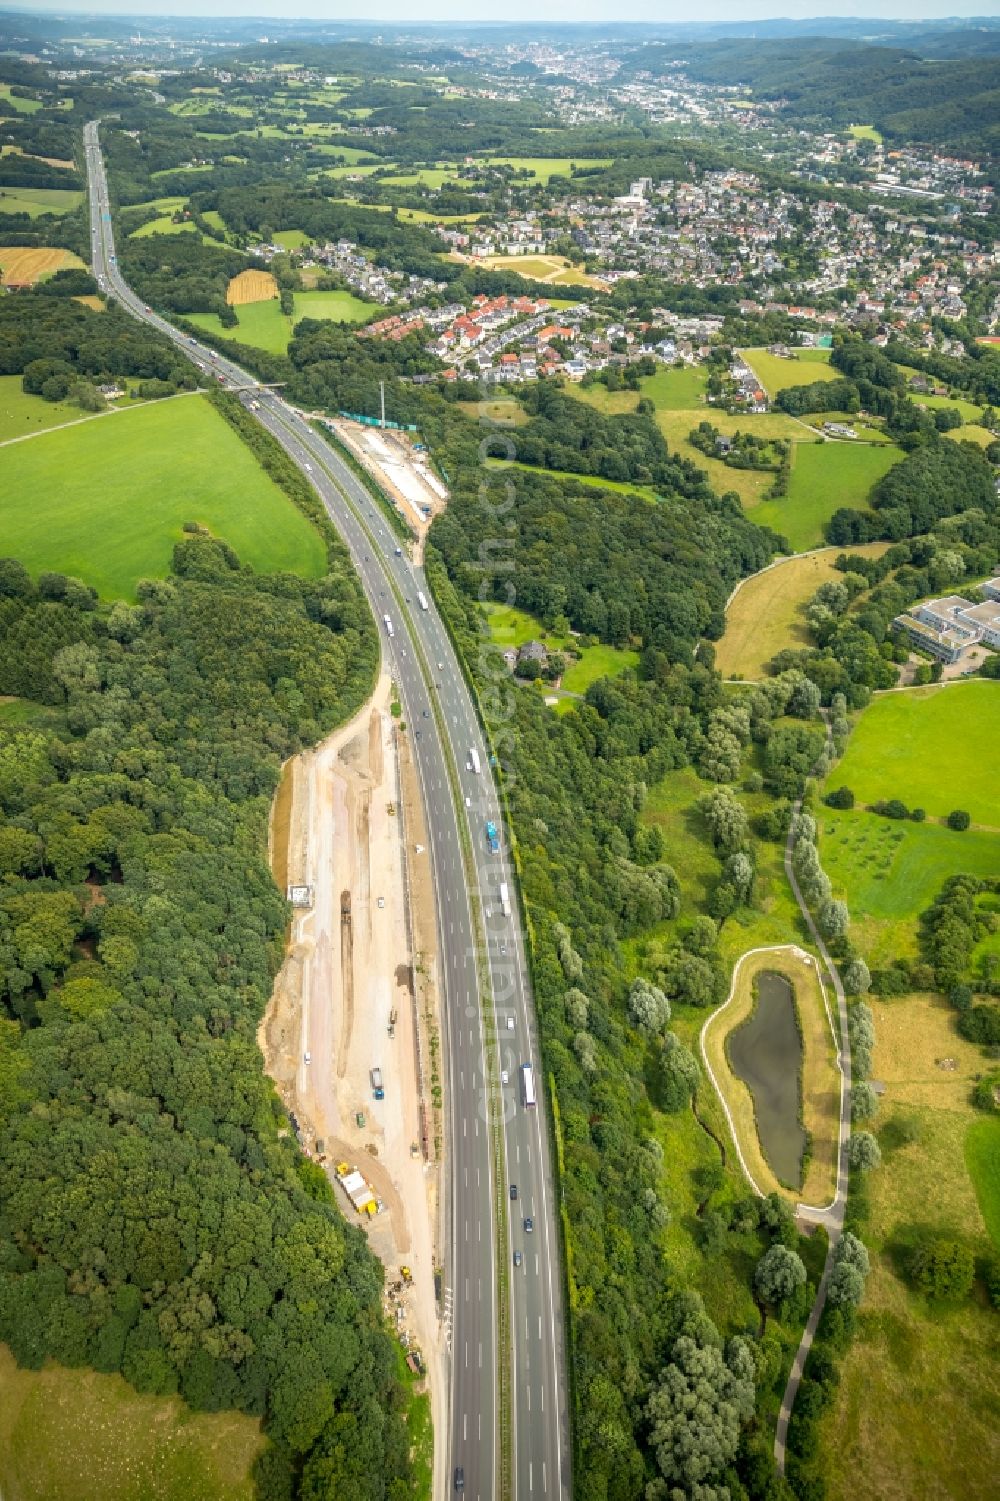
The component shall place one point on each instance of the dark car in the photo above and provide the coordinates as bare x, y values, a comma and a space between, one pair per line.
513, 1190
529, 1224
459, 1478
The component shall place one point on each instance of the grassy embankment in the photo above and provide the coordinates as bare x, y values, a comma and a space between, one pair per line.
105, 501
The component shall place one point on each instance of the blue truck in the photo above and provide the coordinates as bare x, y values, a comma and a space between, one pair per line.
493, 838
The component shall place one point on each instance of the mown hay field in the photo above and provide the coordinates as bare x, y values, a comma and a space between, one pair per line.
251, 286
20, 263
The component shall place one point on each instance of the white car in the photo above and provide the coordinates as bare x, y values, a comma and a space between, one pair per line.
381, 901
504, 1077
510, 1024
307, 1057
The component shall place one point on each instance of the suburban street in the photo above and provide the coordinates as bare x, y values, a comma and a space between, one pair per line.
480, 1048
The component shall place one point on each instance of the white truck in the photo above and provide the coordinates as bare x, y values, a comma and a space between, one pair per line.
422, 600
388, 626
474, 760
504, 899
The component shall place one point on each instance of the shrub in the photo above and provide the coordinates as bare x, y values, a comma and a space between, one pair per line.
840, 797
958, 819
943, 1270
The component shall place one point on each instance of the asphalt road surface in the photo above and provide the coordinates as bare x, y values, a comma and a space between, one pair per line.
439, 712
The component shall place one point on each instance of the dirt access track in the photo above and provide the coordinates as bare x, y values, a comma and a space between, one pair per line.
357, 992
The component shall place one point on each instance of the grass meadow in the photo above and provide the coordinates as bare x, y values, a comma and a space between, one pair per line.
105, 501
265, 326
825, 476
776, 373
890, 871
21, 413
36, 201
933, 747
768, 611
918, 1374
71, 1435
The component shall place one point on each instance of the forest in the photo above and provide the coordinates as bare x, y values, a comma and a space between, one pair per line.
159, 1219
594, 874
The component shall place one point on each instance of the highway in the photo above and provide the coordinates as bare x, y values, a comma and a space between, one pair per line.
535, 1459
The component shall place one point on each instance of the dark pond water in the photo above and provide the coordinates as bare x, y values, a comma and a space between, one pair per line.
766, 1053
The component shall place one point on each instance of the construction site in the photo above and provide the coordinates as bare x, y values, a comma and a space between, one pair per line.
350, 1036
400, 467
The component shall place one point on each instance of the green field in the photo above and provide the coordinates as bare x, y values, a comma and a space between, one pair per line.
671, 390
767, 612
599, 661
510, 626
68, 1435
164, 226
428, 177
36, 201
20, 106
864, 133
776, 374
933, 747
105, 501
292, 239
889, 870
825, 476
915, 1411
21, 413
972, 433
982, 1158
265, 326
544, 167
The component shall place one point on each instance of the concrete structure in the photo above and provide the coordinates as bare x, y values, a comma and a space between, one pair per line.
950, 626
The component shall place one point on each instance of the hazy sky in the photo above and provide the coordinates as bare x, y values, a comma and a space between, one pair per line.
415, 11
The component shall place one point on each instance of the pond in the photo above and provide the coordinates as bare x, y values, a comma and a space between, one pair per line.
766, 1053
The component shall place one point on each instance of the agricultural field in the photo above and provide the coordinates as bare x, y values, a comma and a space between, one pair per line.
428, 177
825, 476
767, 612
21, 414
23, 263
38, 201
932, 747
971, 432
911, 1359
73, 1435
890, 870
71, 499
251, 286
776, 374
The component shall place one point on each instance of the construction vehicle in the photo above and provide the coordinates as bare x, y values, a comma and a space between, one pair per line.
493, 838
378, 1089
406, 1274
392, 1022
345, 906
359, 1120
391, 809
